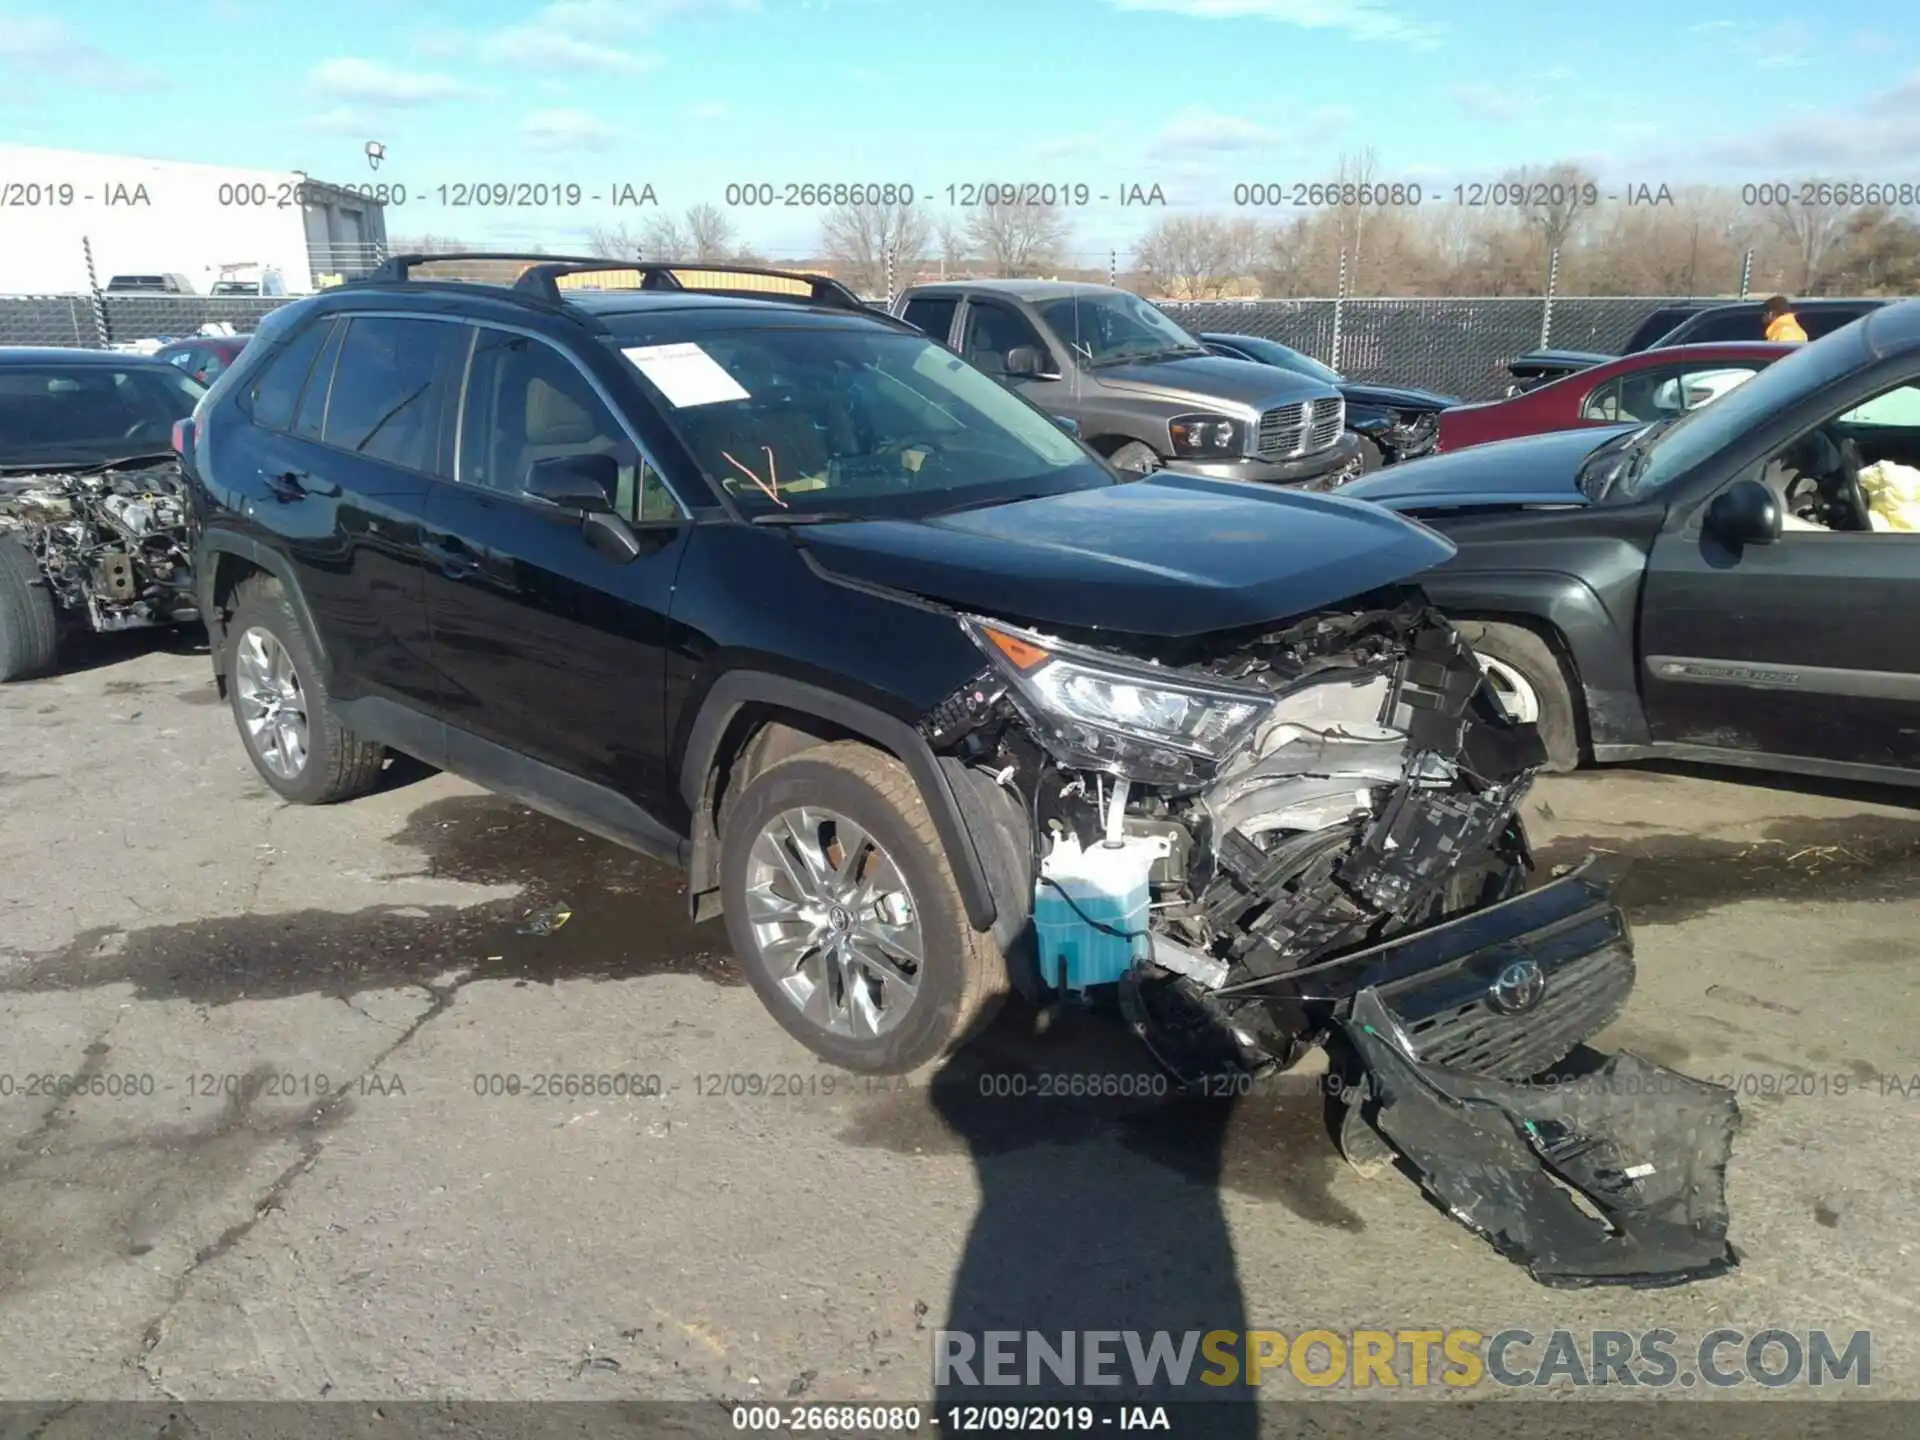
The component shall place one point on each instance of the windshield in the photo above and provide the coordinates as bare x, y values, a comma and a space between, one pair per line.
1672, 448
1274, 353
83, 414
854, 422
1111, 327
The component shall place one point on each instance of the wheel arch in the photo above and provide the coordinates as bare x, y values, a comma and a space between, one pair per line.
749, 720
1595, 648
226, 561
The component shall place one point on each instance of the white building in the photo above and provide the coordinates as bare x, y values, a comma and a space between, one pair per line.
151, 217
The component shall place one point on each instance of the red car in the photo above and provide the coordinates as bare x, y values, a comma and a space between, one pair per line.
203, 356
1648, 385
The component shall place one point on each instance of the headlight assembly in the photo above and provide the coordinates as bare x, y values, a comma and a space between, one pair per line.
1095, 712
1199, 436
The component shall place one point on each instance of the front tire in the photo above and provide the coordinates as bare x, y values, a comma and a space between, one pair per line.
280, 704
29, 628
846, 917
1531, 684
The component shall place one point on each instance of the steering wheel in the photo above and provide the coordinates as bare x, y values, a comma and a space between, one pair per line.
137, 430
900, 446
1849, 498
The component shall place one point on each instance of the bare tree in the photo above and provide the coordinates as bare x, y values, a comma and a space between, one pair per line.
1353, 219
1811, 231
1018, 240
613, 242
859, 238
428, 245
1199, 257
951, 244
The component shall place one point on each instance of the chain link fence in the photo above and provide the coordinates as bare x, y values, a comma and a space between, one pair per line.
1456, 346
1459, 346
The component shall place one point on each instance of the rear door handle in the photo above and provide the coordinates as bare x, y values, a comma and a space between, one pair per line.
453, 557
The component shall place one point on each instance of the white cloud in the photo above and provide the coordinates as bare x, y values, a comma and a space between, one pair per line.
536, 47
355, 120
561, 130
709, 110
38, 47
1711, 27
1883, 129
1362, 19
1787, 44
369, 82
1200, 130
1490, 102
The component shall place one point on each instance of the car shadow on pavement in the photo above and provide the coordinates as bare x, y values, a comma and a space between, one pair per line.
1102, 1208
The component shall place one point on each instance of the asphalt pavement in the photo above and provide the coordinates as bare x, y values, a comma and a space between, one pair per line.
426, 1095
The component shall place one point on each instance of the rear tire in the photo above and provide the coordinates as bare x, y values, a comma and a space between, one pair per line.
1531, 682
29, 628
804, 936
275, 689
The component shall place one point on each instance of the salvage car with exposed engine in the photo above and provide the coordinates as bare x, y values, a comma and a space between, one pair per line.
1141, 391
92, 513
1393, 422
1731, 584
930, 705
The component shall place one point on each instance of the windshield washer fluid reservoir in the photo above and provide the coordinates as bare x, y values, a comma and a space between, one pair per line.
1090, 909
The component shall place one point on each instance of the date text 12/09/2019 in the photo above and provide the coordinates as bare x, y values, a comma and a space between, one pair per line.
459, 195
866, 1419
968, 195
1412, 194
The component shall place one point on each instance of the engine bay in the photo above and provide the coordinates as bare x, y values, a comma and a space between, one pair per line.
111, 542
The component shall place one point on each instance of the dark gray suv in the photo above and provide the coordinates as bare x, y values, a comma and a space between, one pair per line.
1143, 392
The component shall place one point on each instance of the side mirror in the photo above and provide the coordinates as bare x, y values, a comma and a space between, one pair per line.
1745, 513
575, 482
1068, 424
1024, 362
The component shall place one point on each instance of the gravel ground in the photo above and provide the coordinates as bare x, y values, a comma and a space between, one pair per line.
308, 1184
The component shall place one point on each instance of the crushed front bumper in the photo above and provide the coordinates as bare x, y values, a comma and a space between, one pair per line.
1506, 990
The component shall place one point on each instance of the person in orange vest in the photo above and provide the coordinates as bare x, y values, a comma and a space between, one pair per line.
1781, 325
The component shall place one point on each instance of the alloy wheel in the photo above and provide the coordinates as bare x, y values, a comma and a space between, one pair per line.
273, 707
1513, 690
834, 922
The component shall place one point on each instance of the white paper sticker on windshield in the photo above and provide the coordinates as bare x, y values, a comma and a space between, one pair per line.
685, 374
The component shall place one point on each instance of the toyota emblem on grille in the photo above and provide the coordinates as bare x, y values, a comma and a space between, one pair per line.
1518, 988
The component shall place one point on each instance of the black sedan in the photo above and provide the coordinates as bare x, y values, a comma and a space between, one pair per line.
1393, 423
1733, 585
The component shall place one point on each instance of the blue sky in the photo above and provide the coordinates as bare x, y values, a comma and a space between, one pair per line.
1194, 95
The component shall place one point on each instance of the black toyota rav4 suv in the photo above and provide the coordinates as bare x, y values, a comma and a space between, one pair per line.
737, 571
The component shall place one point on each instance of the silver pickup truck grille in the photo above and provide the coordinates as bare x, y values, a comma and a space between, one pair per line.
1288, 432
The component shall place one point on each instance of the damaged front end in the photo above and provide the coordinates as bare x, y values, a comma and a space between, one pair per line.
1239, 837
110, 542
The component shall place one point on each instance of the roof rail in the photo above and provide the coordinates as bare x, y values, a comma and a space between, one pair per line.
542, 276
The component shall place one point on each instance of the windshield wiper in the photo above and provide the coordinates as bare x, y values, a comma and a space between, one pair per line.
1144, 357
808, 517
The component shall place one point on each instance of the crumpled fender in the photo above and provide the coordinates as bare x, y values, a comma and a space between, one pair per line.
1647, 1147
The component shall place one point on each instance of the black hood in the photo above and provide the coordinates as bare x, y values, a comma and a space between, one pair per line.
1395, 397
1531, 470
1168, 555
1204, 379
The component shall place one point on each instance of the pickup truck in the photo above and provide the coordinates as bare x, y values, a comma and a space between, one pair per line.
1140, 390
1731, 585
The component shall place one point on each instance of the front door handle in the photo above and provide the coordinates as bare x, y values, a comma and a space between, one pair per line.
453, 557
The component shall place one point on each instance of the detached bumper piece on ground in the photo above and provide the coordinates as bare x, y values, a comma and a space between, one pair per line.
1645, 1147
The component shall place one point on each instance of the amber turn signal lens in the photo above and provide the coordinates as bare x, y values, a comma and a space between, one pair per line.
1024, 655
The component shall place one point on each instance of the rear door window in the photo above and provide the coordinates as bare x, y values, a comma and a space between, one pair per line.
313, 403
276, 392
389, 385
933, 314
